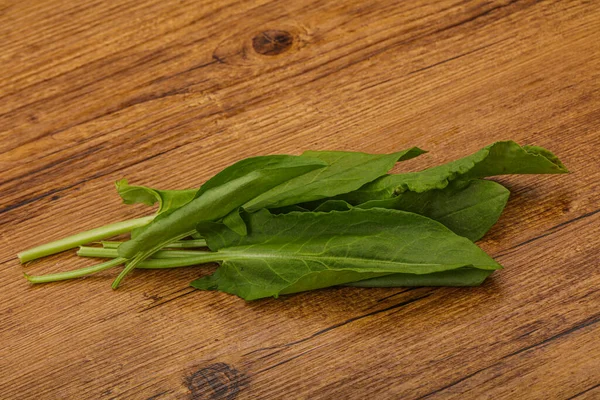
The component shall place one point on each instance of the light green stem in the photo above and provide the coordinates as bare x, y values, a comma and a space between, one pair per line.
85, 251
78, 273
182, 244
207, 257
175, 262
188, 244
110, 245
134, 262
82, 238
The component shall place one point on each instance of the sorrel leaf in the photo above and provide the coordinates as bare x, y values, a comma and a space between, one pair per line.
301, 251
468, 209
499, 158
166, 199
214, 203
345, 171
456, 277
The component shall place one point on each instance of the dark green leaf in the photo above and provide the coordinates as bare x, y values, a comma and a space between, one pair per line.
497, 159
345, 171
288, 209
335, 205
301, 251
235, 222
468, 209
214, 203
219, 200
456, 277
241, 168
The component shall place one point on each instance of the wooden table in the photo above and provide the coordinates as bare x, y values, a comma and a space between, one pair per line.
167, 93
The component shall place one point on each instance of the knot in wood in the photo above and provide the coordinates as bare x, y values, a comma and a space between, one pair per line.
272, 42
216, 381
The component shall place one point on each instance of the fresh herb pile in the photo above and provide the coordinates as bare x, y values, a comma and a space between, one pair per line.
282, 224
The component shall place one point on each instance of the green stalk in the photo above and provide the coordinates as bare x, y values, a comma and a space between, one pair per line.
182, 244
207, 257
140, 257
99, 252
82, 238
188, 244
85, 251
78, 273
110, 245
175, 262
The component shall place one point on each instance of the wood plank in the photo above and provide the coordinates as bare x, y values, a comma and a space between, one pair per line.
169, 93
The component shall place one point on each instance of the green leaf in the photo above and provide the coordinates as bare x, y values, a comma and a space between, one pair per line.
468, 209
235, 188
235, 222
345, 171
288, 209
241, 168
166, 199
335, 205
499, 158
456, 277
300, 251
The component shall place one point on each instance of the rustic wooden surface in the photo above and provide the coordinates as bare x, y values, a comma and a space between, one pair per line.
166, 93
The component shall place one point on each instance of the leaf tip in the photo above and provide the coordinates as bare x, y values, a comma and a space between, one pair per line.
121, 182
410, 153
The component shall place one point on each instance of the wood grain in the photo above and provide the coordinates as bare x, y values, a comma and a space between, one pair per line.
167, 93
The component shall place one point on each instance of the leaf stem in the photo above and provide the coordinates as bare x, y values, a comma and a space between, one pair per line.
188, 244
82, 238
85, 251
164, 263
182, 244
140, 257
110, 244
78, 273
177, 262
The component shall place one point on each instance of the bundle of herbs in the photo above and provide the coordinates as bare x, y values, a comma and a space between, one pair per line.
283, 224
